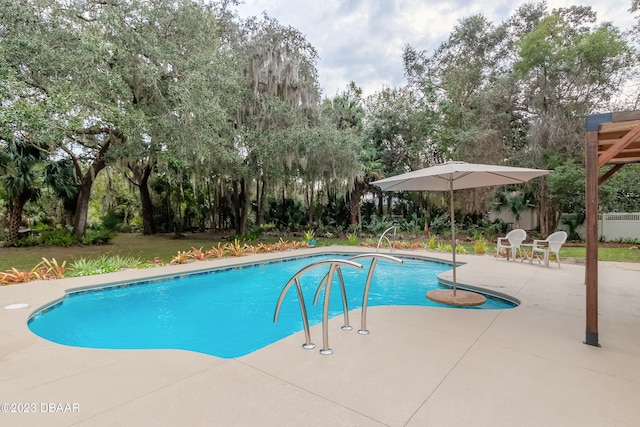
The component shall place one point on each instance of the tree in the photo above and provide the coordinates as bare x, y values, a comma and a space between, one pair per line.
24, 143
466, 73
567, 67
123, 82
567, 190
179, 83
61, 68
473, 97
399, 127
346, 111
626, 193
282, 93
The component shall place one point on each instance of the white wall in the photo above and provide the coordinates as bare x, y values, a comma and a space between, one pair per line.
528, 218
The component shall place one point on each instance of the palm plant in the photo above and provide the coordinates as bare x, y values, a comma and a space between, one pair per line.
517, 203
19, 175
61, 177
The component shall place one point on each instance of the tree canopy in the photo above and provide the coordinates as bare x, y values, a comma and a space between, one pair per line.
202, 119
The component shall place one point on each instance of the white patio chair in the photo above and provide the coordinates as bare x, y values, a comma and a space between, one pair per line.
511, 241
551, 244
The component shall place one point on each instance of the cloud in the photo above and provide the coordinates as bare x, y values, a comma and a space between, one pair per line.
362, 40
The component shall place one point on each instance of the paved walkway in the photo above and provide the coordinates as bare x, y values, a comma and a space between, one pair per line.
420, 366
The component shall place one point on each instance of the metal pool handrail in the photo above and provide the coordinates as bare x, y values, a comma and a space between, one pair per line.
325, 283
345, 304
333, 263
383, 236
365, 297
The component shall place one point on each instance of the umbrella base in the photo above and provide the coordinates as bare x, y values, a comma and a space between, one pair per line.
461, 299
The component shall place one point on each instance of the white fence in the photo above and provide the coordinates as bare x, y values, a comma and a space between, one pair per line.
612, 226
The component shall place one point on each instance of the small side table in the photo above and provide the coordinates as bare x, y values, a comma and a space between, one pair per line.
525, 249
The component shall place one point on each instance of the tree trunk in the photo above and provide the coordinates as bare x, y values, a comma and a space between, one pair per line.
15, 219
210, 206
283, 217
148, 224
219, 201
245, 206
82, 207
239, 197
260, 202
546, 215
308, 192
141, 174
354, 201
390, 206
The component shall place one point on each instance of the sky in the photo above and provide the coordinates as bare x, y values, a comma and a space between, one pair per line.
362, 40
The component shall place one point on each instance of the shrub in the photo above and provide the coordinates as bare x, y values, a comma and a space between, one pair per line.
101, 236
432, 243
181, 257
111, 221
16, 276
480, 246
309, 236
51, 268
282, 245
27, 242
352, 239
295, 244
58, 237
443, 247
477, 233
372, 242
439, 224
199, 254
254, 233
218, 251
125, 228
237, 249
266, 248
104, 264
253, 249
412, 245
379, 224
154, 262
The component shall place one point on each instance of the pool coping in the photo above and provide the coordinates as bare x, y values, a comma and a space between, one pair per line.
442, 281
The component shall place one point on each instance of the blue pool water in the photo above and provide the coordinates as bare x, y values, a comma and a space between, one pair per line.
227, 313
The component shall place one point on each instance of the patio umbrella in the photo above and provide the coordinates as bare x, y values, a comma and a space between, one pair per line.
453, 175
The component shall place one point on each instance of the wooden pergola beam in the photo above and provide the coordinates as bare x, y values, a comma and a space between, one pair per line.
608, 155
609, 173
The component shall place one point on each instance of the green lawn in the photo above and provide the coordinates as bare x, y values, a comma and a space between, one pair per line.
167, 245
125, 245
164, 246
619, 254
625, 253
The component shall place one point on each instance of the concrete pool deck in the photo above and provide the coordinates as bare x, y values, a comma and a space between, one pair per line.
419, 365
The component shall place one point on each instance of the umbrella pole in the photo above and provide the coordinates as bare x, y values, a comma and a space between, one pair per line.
453, 233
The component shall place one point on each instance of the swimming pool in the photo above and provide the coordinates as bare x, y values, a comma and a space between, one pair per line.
226, 312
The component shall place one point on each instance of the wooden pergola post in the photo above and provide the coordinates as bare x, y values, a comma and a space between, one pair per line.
612, 139
591, 204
